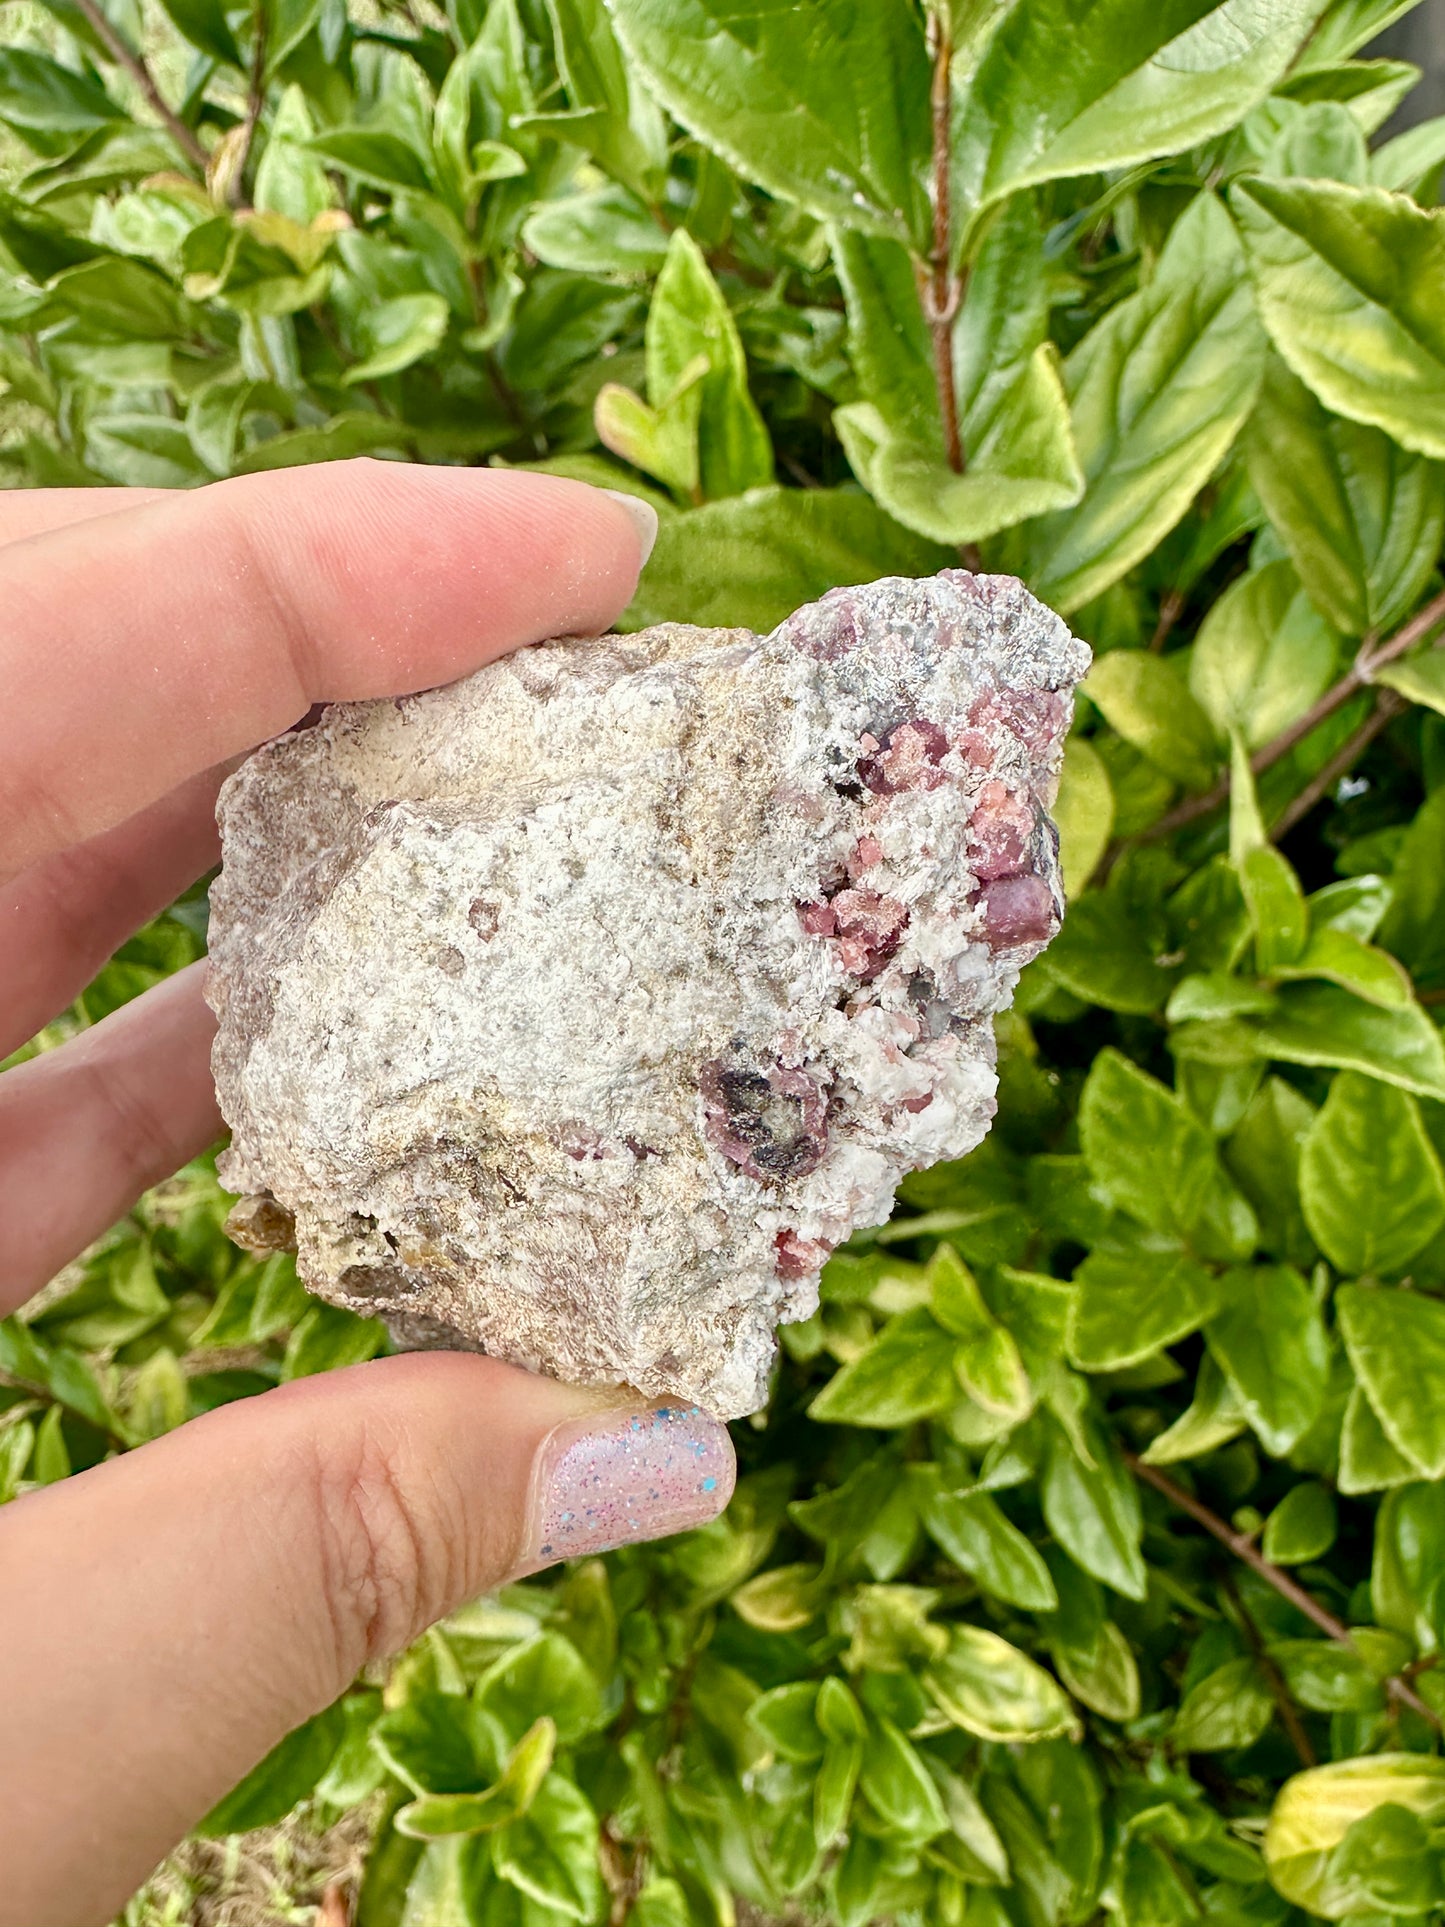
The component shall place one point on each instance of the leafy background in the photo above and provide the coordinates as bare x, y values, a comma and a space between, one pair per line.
1089, 1559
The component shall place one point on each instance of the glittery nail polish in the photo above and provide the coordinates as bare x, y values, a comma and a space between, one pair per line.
611, 1479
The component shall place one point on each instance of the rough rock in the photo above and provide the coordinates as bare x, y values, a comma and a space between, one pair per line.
578, 1010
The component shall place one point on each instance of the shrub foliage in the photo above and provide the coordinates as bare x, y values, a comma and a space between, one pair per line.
1090, 1556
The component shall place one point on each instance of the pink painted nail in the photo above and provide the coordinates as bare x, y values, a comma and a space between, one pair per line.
611, 1479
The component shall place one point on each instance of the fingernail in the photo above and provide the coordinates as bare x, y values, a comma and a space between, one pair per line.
644, 519
612, 1479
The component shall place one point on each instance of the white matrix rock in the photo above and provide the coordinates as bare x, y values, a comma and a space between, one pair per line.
577, 1011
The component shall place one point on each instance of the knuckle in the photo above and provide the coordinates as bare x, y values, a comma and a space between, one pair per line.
386, 1561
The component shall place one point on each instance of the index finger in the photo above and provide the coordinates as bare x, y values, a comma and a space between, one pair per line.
147, 644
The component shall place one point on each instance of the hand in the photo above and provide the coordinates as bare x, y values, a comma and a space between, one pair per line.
167, 1616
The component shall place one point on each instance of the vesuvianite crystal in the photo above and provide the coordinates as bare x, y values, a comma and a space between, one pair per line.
578, 1010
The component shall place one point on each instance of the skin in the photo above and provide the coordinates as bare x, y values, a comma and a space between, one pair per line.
167, 1616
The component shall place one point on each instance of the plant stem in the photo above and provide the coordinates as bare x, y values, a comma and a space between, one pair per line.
184, 137
1288, 1711
1356, 678
255, 99
1171, 607
1387, 708
944, 290
1244, 1548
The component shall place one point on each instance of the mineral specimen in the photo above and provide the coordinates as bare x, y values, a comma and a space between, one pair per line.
578, 1010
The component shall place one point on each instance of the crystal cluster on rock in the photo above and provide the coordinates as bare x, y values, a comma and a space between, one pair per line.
576, 1011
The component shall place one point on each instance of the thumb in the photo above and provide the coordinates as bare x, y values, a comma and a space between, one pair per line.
168, 1616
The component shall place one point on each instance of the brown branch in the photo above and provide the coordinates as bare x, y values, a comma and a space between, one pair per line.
184, 137
1288, 1711
255, 98
1432, 996
1244, 1549
1387, 708
944, 290
1171, 607
1356, 678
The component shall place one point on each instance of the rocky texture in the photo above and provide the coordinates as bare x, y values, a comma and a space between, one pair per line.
579, 1009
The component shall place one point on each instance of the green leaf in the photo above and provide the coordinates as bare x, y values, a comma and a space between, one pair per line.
1342, 959
1158, 388
1131, 1302
396, 333
827, 107
1396, 1343
545, 1671
1414, 924
327, 1337
1277, 910
376, 155
833, 1786
1103, 1674
1302, 1526
991, 1689
986, 1359
983, 1542
1215, 1415
604, 230
690, 321
1228, 1709
753, 560
661, 441
898, 1786
786, 1718
630, 135
1316, 1809
1145, 699
1104, 955
440, 1816
550, 1853
1349, 282
1083, 813
1368, 1461
1262, 656
38, 94
1420, 677
1151, 1157
906, 1373
450, 1881
204, 24
1370, 1181
1093, 1511
1320, 1024
337, 440
284, 1778
1327, 1678
1269, 1341
1139, 81
1409, 1557
1362, 519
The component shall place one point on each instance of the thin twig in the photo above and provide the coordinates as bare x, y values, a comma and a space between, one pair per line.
1387, 708
184, 137
1171, 607
255, 98
1432, 996
1244, 1548
1356, 678
1288, 1711
944, 290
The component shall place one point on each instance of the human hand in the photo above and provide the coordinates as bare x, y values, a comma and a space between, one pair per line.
167, 1616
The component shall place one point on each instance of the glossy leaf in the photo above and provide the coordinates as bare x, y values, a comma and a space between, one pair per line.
1158, 389
1370, 1181
991, 1689
1270, 1343
1396, 1343
1348, 280
828, 108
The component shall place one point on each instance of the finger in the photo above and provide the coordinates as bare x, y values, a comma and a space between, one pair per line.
143, 646
64, 916
35, 511
167, 1617
87, 1127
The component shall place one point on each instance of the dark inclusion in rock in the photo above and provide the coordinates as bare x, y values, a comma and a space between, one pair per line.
575, 1012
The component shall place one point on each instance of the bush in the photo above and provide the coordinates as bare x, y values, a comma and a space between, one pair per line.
1089, 1555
